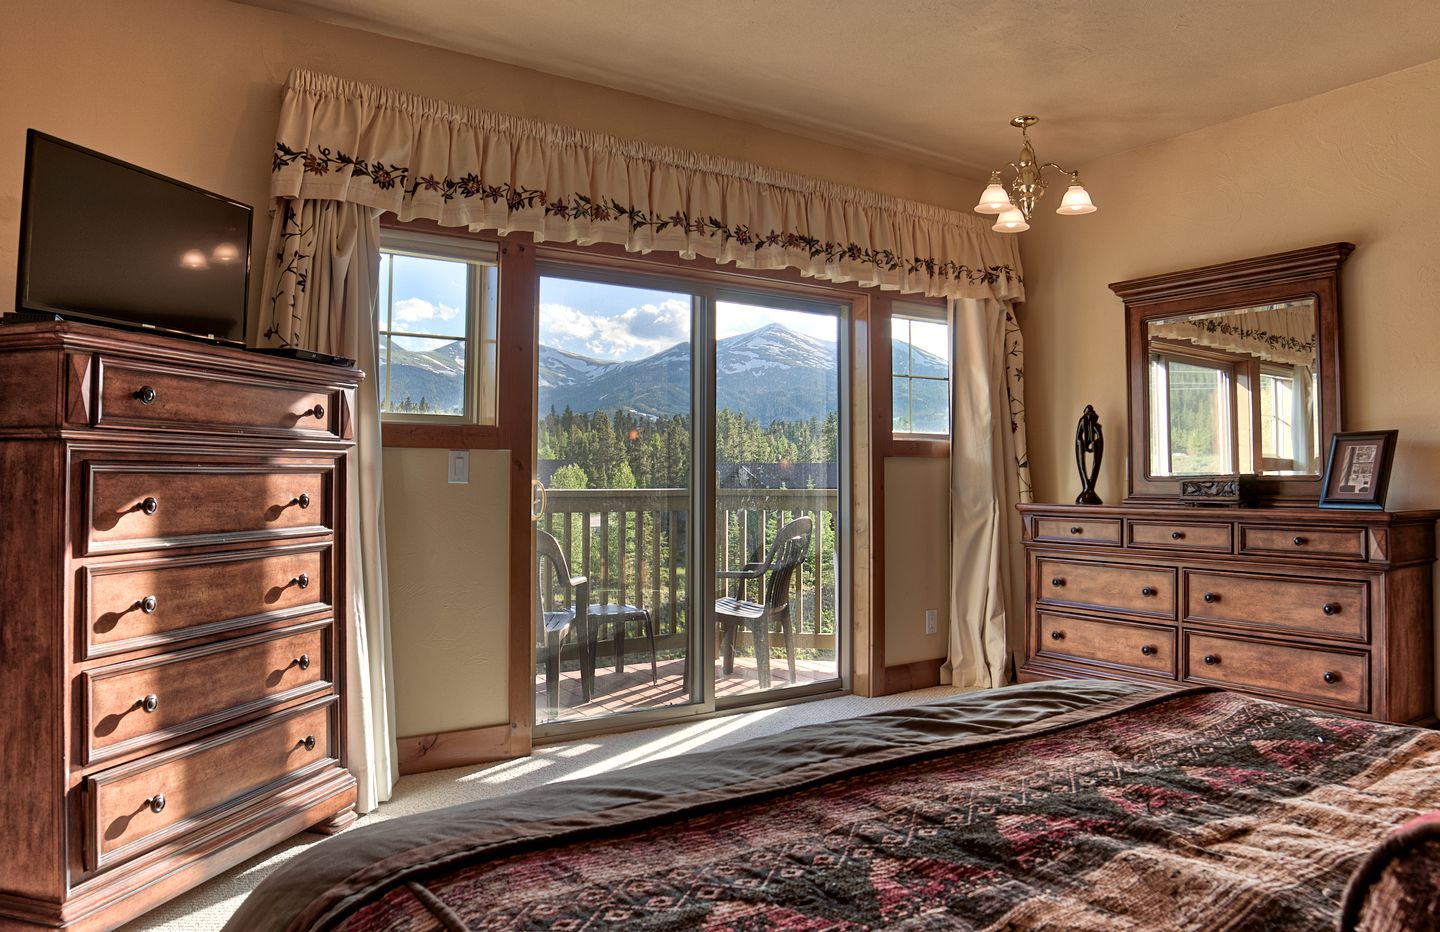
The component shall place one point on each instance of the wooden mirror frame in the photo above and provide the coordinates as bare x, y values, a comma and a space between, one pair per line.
1287, 276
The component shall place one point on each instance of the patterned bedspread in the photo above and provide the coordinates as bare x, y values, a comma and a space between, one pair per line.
1146, 810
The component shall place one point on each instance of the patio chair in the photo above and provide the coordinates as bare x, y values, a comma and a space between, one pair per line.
792, 544
553, 623
620, 616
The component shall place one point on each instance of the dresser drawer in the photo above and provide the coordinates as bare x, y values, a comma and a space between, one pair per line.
130, 705
1078, 530
1107, 643
152, 395
1141, 590
135, 507
1181, 535
1337, 608
1339, 543
1336, 678
135, 807
132, 605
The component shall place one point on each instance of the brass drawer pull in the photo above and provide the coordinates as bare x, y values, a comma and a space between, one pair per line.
1077, 530
1211, 660
309, 742
1330, 608
1211, 597
303, 661
1057, 635
303, 581
1177, 535
1300, 541
317, 412
156, 803
1331, 677
146, 395
150, 703
1057, 581
1148, 591
1147, 650
150, 505
149, 604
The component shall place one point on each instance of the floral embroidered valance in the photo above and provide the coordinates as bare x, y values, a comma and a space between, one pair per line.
1283, 334
422, 158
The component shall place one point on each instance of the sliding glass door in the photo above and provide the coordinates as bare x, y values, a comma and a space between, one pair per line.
687, 508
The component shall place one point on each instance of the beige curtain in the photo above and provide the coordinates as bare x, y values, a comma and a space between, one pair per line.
989, 473
422, 158
321, 295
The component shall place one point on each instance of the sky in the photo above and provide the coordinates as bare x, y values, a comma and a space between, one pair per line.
602, 321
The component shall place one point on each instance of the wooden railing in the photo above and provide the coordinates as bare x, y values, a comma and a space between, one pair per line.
633, 544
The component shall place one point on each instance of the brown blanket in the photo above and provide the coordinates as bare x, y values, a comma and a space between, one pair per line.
1063, 805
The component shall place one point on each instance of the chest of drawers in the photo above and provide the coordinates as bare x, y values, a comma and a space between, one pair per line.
1321, 608
172, 561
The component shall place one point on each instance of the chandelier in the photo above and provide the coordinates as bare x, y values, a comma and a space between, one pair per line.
1027, 187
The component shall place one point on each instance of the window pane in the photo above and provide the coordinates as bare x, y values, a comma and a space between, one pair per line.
427, 376
1199, 432
900, 405
929, 406
429, 296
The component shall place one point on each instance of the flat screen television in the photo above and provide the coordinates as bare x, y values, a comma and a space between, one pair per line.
106, 241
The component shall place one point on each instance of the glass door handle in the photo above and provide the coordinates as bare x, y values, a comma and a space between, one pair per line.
537, 500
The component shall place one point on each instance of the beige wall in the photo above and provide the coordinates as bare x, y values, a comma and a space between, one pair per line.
917, 558
1358, 164
191, 88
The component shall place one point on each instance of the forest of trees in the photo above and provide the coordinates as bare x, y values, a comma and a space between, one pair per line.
627, 451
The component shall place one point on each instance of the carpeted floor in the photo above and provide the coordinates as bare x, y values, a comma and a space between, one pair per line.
207, 907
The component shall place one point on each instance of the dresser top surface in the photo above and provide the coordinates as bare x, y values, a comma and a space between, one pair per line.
1234, 513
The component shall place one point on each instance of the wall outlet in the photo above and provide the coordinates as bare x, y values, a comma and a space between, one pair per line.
932, 625
459, 467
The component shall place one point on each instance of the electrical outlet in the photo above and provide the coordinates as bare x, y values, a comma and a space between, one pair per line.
931, 621
459, 467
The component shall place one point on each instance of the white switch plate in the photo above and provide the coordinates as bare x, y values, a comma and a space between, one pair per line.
931, 622
459, 471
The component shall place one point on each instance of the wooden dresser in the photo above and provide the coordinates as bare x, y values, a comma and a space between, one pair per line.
1330, 609
172, 563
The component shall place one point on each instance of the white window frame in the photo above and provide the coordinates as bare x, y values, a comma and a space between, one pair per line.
926, 313
481, 328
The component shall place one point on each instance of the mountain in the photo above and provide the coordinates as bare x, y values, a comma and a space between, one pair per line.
772, 373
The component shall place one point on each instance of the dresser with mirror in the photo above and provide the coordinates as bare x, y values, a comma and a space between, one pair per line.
1235, 386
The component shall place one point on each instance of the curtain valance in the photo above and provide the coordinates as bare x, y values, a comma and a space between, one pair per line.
422, 158
1283, 334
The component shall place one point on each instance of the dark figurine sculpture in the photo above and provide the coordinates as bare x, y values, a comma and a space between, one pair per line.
1088, 439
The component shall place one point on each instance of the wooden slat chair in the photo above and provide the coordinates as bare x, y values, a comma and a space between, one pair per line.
792, 544
553, 622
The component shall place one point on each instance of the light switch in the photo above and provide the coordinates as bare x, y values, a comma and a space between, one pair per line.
459, 467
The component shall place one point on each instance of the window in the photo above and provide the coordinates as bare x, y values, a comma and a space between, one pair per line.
1191, 399
1277, 404
437, 328
920, 369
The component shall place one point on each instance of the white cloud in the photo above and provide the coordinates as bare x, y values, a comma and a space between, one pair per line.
415, 314
634, 333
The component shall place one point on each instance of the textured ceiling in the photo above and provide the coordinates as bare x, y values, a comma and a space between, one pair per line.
935, 81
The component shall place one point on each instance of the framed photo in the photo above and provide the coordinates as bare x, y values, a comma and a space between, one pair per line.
1357, 473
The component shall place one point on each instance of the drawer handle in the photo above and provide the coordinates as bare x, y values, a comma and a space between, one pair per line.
1147, 650
1212, 597
156, 803
317, 412
1300, 541
303, 500
1147, 591
309, 742
146, 395
149, 604
303, 661
1177, 535
1211, 660
1057, 635
150, 703
303, 581
150, 505
1057, 581
1331, 677
1077, 530
1330, 608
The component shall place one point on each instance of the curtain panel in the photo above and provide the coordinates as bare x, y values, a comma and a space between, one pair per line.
422, 158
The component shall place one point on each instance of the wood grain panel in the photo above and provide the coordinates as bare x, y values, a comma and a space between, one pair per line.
1142, 590
1182, 535
199, 781
1336, 608
131, 705
1335, 678
1077, 530
1301, 541
1110, 643
132, 605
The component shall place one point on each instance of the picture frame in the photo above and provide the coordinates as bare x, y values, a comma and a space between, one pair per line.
1357, 471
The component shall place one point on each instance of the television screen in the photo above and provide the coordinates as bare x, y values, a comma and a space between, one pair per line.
104, 240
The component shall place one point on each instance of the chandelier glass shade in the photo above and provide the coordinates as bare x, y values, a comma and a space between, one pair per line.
1013, 205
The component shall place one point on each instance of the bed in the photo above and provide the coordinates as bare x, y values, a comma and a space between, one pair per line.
1065, 805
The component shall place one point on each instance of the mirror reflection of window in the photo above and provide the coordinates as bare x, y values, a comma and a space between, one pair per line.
1193, 398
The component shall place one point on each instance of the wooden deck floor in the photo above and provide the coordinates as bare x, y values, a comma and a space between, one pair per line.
632, 690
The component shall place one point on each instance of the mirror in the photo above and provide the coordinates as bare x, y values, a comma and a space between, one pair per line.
1234, 369
1235, 391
